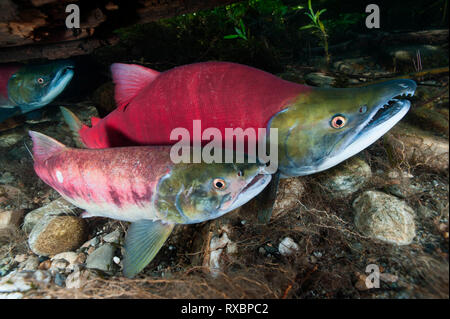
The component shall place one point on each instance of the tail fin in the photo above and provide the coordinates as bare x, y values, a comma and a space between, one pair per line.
74, 124
44, 147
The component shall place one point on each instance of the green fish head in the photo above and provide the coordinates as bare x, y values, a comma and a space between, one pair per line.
327, 126
193, 193
34, 86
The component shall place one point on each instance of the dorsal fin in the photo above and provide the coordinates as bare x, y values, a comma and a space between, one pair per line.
95, 120
129, 80
44, 146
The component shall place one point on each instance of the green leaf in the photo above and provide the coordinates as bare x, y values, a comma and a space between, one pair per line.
309, 26
231, 36
320, 12
242, 25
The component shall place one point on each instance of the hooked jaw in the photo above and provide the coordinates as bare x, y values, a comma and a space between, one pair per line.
384, 110
59, 83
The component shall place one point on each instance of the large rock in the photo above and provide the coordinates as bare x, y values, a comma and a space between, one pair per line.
57, 234
346, 178
102, 259
57, 207
402, 56
411, 145
384, 217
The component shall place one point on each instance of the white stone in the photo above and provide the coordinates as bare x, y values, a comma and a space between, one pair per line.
287, 246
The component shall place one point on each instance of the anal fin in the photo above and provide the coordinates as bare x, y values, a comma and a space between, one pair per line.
142, 242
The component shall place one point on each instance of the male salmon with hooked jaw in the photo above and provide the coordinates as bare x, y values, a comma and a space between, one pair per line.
318, 128
25, 88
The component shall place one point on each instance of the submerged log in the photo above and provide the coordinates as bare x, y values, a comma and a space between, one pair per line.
37, 28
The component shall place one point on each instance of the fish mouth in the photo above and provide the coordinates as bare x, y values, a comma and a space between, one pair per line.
388, 112
59, 83
253, 188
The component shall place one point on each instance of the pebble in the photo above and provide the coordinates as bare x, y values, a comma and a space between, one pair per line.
32, 263
69, 256
60, 280
58, 265
20, 258
287, 246
102, 259
10, 218
384, 217
91, 243
45, 265
388, 278
216, 247
57, 234
113, 237
116, 260
78, 279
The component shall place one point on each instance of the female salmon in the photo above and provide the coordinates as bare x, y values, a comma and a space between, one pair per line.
144, 186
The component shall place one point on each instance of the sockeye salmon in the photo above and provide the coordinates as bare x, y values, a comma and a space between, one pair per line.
143, 186
25, 88
317, 127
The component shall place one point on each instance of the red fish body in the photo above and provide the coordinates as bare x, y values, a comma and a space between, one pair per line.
220, 94
5, 74
143, 186
118, 183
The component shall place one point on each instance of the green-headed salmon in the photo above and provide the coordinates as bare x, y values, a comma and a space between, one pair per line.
142, 185
25, 88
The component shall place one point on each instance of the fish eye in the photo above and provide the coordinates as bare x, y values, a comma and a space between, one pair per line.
338, 121
219, 184
40, 80
363, 109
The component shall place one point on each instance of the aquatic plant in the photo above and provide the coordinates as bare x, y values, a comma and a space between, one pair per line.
318, 26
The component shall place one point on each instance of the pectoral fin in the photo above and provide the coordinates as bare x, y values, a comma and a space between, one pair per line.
266, 199
143, 241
